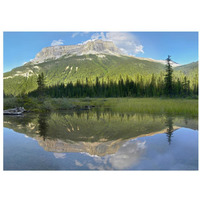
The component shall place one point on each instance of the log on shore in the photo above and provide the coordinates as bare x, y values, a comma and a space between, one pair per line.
14, 111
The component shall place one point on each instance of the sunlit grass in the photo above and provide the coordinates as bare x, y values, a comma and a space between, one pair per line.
127, 105
154, 106
144, 105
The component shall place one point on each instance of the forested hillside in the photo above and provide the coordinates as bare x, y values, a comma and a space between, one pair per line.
100, 75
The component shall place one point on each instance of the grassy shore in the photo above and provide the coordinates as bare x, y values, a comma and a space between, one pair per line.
144, 105
128, 105
155, 106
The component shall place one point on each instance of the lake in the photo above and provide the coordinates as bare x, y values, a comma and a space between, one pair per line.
100, 140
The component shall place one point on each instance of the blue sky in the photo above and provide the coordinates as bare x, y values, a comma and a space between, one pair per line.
21, 47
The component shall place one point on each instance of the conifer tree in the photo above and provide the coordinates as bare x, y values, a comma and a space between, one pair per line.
168, 78
41, 86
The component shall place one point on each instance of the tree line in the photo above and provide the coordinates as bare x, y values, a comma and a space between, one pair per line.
155, 86
123, 88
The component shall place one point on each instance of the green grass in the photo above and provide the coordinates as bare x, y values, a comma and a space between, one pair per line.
169, 106
154, 106
143, 105
10, 102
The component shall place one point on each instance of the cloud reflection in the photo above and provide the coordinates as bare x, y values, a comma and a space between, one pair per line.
127, 156
60, 155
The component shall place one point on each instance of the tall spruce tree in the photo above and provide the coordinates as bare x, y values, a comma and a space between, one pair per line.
168, 78
41, 87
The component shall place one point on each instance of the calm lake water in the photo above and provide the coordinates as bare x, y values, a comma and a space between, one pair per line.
94, 140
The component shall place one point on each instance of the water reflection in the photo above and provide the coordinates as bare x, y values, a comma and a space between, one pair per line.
42, 125
97, 133
100, 140
170, 129
128, 155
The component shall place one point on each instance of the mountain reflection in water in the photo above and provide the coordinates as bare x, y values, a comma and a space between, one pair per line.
111, 140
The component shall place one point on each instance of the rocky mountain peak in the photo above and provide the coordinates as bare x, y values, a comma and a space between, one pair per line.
100, 46
89, 47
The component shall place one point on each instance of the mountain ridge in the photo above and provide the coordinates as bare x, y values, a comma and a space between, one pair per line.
90, 60
90, 47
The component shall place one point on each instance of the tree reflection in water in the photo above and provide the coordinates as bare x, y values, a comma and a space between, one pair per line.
170, 129
96, 125
42, 125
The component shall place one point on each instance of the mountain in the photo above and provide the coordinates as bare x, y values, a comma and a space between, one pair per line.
189, 68
164, 62
62, 64
90, 47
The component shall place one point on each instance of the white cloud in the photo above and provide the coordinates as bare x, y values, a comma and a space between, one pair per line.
96, 36
127, 42
75, 34
79, 33
57, 42
139, 49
